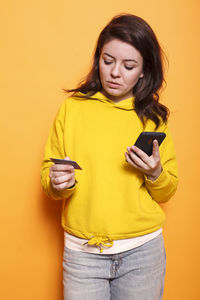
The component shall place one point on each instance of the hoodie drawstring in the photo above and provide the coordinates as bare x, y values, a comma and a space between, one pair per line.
100, 242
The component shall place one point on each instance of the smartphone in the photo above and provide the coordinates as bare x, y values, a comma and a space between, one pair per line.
145, 140
66, 162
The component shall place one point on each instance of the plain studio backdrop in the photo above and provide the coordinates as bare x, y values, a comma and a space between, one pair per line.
47, 46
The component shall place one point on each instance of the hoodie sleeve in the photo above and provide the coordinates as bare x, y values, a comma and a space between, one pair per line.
164, 187
55, 148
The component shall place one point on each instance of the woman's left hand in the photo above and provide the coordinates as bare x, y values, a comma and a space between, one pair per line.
149, 165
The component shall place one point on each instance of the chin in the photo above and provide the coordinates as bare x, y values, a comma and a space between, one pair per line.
114, 93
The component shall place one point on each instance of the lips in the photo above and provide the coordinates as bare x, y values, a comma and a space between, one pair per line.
113, 84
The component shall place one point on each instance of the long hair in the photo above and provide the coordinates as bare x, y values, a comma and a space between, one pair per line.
135, 31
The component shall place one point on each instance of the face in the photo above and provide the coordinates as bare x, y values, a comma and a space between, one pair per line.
120, 67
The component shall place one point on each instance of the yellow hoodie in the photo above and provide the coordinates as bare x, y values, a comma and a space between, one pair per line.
111, 200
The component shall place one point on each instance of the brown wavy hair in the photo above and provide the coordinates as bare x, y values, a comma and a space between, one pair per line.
135, 31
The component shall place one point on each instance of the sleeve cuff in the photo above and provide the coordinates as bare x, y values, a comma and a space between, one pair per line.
158, 181
69, 191
163, 188
64, 194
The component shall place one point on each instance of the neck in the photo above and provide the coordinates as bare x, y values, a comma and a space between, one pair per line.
115, 99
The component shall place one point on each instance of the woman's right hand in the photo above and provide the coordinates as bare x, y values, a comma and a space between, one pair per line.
62, 176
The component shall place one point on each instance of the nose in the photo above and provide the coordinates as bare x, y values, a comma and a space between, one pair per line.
115, 71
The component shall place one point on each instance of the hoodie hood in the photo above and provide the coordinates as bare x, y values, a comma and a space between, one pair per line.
127, 104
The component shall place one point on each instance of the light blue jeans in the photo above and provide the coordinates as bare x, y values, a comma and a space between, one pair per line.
136, 274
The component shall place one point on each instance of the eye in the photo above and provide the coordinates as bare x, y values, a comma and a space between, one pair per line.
106, 62
128, 68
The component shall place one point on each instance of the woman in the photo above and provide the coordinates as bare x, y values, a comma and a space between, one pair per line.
111, 217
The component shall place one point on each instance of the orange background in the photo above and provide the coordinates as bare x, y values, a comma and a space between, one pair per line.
46, 46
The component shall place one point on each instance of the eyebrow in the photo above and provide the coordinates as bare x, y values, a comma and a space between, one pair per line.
131, 60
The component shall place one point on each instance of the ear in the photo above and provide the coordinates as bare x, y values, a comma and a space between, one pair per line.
141, 75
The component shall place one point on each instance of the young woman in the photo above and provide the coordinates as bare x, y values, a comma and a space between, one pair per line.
111, 217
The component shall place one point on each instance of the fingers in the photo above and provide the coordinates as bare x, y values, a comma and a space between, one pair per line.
131, 162
58, 174
61, 179
137, 158
63, 182
53, 173
138, 154
155, 150
64, 185
149, 165
61, 176
64, 168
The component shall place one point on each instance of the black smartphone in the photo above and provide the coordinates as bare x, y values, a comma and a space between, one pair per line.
145, 140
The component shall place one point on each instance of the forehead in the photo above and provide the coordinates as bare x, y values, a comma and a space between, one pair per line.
121, 50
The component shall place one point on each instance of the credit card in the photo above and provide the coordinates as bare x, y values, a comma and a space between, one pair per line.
66, 162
